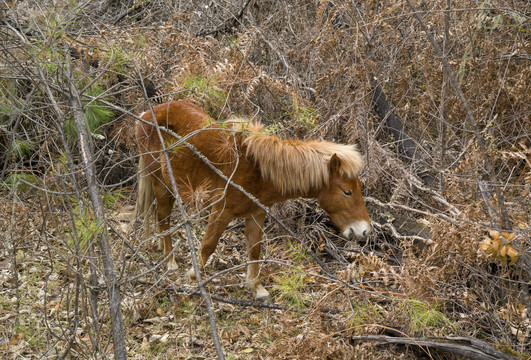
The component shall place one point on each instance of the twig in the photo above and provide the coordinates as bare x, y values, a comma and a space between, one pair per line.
227, 25
444, 95
108, 265
79, 282
397, 235
337, 256
11, 248
485, 195
370, 199
481, 141
93, 271
469, 348
243, 303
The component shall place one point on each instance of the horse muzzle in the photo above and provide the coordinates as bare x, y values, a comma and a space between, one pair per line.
360, 229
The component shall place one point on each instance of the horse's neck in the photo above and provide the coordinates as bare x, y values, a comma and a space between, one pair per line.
312, 194
268, 195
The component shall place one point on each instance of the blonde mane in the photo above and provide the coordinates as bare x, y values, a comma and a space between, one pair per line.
295, 166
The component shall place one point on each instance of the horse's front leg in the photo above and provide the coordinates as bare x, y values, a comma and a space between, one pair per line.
253, 232
217, 222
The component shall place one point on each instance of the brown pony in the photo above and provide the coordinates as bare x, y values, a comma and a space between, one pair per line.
271, 169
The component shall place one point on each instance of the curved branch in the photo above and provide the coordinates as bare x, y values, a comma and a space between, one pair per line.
466, 347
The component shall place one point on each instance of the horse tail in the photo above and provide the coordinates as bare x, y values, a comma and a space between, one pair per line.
145, 209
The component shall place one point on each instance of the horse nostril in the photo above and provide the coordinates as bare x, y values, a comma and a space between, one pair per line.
365, 233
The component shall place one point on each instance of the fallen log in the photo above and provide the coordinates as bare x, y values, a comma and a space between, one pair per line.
407, 145
466, 347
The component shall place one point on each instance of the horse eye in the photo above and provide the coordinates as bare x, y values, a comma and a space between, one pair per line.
347, 192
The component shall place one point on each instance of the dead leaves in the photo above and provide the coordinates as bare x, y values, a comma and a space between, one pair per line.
370, 266
499, 246
15, 347
305, 343
517, 316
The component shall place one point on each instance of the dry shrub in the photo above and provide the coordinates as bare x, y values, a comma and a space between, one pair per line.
372, 269
297, 340
441, 264
453, 240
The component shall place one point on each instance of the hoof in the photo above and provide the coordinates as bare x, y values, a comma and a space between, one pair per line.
172, 265
190, 274
261, 294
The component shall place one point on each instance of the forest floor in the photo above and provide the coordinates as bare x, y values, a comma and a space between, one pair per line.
313, 315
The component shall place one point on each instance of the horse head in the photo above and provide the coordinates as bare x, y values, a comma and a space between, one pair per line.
341, 198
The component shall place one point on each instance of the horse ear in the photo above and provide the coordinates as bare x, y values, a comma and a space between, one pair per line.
335, 164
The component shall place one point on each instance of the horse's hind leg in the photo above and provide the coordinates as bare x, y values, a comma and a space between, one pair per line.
217, 222
165, 202
253, 232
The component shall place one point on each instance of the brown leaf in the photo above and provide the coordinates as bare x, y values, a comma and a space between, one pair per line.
16, 338
494, 234
496, 245
486, 246
513, 254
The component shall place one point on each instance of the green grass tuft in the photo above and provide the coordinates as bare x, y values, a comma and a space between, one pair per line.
17, 182
112, 198
304, 115
365, 312
424, 316
96, 113
21, 149
86, 227
290, 285
205, 90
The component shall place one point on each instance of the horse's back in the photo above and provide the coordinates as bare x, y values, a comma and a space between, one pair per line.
179, 116
205, 135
